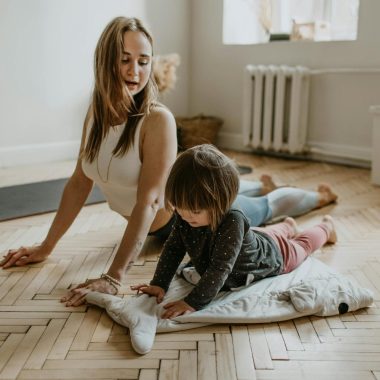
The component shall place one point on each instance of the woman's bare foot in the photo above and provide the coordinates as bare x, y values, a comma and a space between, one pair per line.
293, 224
326, 195
329, 222
268, 184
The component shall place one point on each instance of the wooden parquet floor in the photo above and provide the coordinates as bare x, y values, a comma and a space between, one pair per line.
42, 339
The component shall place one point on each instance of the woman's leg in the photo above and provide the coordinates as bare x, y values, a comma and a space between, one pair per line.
262, 200
257, 188
256, 209
291, 201
296, 247
250, 188
285, 201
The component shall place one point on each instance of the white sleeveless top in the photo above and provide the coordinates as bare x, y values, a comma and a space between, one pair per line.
117, 177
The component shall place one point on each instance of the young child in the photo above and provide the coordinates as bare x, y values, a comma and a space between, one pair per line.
224, 250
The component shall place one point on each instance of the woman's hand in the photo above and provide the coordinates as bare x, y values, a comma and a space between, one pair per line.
152, 290
76, 296
174, 309
25, 255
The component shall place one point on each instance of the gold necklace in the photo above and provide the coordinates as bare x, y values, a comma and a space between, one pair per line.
108, 168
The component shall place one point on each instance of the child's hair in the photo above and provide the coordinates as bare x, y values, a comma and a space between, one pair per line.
203, 178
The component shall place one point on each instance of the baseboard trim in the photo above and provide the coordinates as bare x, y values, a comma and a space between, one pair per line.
334, 153
342, 154
38, 153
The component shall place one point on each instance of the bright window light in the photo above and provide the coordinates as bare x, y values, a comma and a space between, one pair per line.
260, 21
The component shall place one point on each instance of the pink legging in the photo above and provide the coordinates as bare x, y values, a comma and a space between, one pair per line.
295, 249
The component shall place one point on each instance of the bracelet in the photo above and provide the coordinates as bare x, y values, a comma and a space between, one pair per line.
112, 281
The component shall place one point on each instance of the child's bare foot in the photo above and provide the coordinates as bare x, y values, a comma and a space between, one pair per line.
268, 184
329, 222
293, 224
326, 195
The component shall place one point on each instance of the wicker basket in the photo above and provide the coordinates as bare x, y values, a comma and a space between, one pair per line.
197, 130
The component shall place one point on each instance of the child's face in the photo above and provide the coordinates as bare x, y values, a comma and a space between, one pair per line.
195, 218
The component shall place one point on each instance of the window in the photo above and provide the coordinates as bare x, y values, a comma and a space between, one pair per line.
260, 21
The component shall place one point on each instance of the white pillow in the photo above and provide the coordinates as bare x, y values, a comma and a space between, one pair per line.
312, 288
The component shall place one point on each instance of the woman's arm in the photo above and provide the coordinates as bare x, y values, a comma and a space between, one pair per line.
74, 195
159, 150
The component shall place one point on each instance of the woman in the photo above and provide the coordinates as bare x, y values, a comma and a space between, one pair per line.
133, 173
128, 147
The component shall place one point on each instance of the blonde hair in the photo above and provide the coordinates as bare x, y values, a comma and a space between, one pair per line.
203, 178
111, 101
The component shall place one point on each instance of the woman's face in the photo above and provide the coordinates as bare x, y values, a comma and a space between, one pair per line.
136, 61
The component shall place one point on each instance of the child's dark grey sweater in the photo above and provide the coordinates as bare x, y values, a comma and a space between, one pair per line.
224, 259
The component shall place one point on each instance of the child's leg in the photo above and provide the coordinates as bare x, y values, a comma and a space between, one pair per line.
286, 229
295, 249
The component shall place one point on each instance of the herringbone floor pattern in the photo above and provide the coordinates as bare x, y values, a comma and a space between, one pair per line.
41, 339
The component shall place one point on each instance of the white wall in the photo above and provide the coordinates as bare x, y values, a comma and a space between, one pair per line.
46, 49
339, 122
46, 72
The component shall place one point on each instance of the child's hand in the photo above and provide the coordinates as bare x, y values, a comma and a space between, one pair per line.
152, 290
174, 309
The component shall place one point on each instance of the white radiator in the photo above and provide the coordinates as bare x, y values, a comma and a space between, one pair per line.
275, 107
